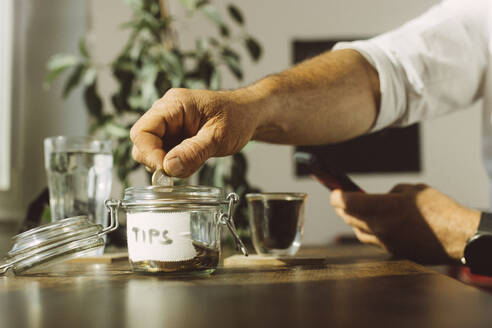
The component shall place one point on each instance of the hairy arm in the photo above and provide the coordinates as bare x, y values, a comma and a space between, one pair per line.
330, 98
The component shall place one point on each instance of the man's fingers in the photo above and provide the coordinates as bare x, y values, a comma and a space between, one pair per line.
364, 205
361, 229
336, 198
147, 149
146, 135
367, 238
353, 221
137, 156
151, 122
152, 160
187, 157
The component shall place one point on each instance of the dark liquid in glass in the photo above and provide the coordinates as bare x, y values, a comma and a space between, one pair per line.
275, 221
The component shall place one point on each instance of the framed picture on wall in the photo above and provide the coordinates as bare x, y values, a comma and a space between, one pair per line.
386, 151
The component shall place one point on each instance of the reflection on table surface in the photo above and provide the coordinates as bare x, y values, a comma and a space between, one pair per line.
356, 286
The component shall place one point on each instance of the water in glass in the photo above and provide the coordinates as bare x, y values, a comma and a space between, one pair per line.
79, 183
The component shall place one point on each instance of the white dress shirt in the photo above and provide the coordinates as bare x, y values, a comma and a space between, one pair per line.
435, 64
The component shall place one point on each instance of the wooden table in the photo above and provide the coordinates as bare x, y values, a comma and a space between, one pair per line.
354, 287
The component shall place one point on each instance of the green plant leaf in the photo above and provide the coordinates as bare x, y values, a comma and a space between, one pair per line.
173, 67
136, 101
73, 80
90, 76
116, 130
135, 50
93, 101
203, 69
124, 65
201, 3
46, 215
232, 60
254, 48
214, 42
162, 83
123, 71
195, 84
234, 66
224, 31
206, 175
57, 64
212, 13
220, 171
189, 4
151, 22
135, 4
147, 77
99, 124
228, 52
235, 14
83, 48
123, 160
215, 80
202, 46
237, 174
120, 102
134, 24
172, 61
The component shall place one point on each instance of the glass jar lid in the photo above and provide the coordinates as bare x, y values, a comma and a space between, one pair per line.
173, 195
55, 242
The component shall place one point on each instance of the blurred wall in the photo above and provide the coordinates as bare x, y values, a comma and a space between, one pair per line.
451, 145
42, 28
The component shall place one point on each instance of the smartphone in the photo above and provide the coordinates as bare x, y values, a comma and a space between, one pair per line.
326, 173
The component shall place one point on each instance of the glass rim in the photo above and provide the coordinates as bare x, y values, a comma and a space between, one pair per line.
77, 143
277, 196
150, 195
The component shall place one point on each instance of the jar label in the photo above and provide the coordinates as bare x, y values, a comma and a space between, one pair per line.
159, 236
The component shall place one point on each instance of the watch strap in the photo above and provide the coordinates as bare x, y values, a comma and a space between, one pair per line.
485, 225
478, 248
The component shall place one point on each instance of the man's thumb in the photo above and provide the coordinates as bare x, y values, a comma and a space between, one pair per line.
187, 157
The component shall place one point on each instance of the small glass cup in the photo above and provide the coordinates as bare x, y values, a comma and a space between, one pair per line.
276, 221
79, 172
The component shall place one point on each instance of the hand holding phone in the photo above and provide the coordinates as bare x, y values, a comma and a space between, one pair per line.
326, 173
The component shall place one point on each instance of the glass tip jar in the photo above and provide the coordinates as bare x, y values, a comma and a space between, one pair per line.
176, 229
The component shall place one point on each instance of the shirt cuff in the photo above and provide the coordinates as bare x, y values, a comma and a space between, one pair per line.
391, 99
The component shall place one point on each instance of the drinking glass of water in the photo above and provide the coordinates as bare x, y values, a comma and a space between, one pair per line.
79, 171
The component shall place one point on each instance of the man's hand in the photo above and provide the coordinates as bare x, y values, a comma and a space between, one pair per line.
186, 127
412, 221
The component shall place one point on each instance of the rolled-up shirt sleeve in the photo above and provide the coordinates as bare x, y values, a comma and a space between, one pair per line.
432, 65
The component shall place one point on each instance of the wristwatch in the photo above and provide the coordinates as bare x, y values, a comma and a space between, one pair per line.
478, 250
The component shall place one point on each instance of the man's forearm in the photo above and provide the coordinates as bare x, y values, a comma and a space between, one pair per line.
330, 98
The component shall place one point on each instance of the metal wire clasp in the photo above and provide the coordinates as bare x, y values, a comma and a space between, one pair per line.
228, 220
112, 206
